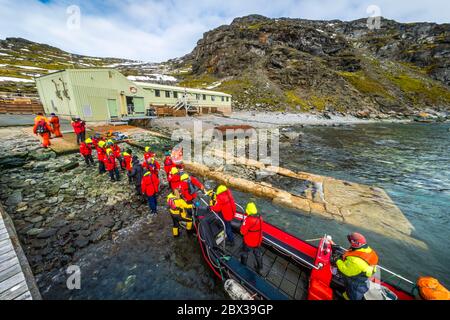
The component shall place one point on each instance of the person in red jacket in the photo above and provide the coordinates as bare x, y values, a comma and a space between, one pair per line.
174, 179
54, 121
101, 156
117, 152
43, 128
151, 164
189, 187
86, 151
225, 205
251, 229
111, 167
79, 127
168, 163
150, 189
148, 154
127, 163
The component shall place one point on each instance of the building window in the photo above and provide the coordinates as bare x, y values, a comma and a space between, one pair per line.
157, 93
228, 99
213, 98
175, 94
197, 96
167, 94
204, 97
223, 99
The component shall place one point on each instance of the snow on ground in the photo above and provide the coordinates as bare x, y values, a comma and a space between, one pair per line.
3, 54
214, 85
124, 64
152, 77
12, 79
29, 68
2, 65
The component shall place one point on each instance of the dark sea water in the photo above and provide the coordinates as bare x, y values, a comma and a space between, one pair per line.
410, 161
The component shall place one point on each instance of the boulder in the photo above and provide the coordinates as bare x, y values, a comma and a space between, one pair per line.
66, 166
15, 198
98, 235
46, 234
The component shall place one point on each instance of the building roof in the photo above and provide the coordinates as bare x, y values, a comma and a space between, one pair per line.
178, 88
145, 84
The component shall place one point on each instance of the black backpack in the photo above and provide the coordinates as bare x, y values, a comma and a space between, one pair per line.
41, 127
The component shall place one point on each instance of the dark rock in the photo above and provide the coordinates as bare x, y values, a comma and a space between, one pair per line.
101, 233
11, 162
15, 198
67, 167
104, 221
81, 242
46, 234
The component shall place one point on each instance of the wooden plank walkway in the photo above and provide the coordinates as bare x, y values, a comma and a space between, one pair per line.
13, 285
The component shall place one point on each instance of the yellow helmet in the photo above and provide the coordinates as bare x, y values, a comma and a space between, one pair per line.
147, 149
88, 140
251, 208
221, 189
108, 151
174, 170
184, 176
101, 144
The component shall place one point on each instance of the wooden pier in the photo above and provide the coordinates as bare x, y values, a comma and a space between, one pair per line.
16, 279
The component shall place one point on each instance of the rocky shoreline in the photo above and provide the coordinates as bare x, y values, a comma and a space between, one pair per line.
59, 206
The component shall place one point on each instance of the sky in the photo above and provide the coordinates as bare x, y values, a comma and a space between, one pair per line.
157, 30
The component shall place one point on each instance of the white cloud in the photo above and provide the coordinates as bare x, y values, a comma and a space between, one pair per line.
158, 30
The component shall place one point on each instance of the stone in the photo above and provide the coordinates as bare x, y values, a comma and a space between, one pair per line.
81, 242
11, 162
104, 221
52, 200
34, 219
67, 167
46, 234
99, 234
42, 155
15, 198
34, 231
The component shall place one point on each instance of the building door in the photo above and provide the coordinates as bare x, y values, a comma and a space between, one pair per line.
113, 108
139, 105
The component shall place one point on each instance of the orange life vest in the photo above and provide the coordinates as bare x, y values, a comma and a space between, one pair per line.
370, 257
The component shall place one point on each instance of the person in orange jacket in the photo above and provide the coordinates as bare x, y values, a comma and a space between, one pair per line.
168, 163
148, 154
150, 189
117, 153
189, 187
86, 151
251, 230
111, 167
127, 163
151, 164
225, 205
54, 121
79, 127
43, 128
174, 179
101, 156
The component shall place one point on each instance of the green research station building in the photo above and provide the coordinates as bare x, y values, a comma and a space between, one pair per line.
107, 95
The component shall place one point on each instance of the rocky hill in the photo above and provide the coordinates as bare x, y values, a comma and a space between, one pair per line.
283, 65
294, 64
21, 60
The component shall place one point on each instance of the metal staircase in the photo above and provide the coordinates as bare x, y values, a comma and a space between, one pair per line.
188, 105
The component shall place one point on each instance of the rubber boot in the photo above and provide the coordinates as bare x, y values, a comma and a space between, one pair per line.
175, 232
